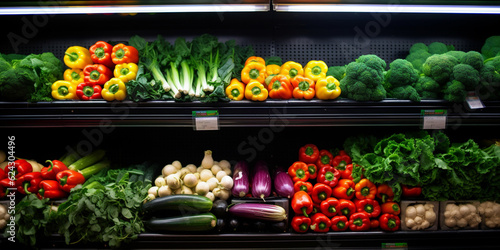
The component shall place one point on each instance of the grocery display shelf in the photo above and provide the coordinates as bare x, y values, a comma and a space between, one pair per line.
291, 113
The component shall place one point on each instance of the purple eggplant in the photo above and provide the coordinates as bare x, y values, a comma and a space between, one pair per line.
258, 211
241, 184
261, 181
283, 184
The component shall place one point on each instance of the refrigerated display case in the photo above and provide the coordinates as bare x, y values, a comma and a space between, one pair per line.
337, 32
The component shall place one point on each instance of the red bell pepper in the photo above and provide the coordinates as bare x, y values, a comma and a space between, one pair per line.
389, 222
50, 189
346, 171
365, 189
88, 91
122, 53
320, 223
384, 193
359, 222
309, 153
316, 209
56, 166
344, 189
411, 191
29, 183
321, 192
374, 223
313, 171
328, 175
324, 158
3, 175
303, 186
390, 208
346, 207
5, 184
100, 53
68, 179
302, 203
96, 74
369, 206
299, 171
340, 223
329, 207
341, 160
20, 168
300, 223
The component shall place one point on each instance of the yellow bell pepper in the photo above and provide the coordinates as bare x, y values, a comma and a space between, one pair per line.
74, 76
255, 59
236, 90
291, 69
253, 71
327, 88
126, 71
77, 57
63, 90
273, 69
114, 89
315, 70
256, 91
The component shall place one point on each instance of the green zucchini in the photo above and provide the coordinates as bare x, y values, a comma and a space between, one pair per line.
88, 160
182, 203
187, 223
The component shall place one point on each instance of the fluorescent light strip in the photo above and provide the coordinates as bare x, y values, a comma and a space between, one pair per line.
133, 9
388, 8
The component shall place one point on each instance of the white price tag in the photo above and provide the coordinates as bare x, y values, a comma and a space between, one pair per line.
206, 120
474, 102
434, 119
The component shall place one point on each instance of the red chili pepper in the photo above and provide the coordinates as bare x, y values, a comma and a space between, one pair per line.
346, 207
50, 189
100, 53
384, 193
411, 191
320, 223
309, 153
359, 222
374, 223
303, 186
300, 223
96, 74
68, 179
389, 222
313, 171
341, 160
340, 223
299, 171
344, 189
21, 167
122, 53
4, 185
29, 183
329, 207
328, 175
324, 158
56, 166
369, 206
88, 91
302, 203
390, 208
321, 192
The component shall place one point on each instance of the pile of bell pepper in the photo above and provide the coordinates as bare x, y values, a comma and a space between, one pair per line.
100, 72
327, 198
54, 181
260, 80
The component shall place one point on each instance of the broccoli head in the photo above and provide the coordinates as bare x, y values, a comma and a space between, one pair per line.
336, 71
17, 83
474, 59
438, 48
467, 75
456, 53
419, 46
363, 79
404, 93
491, 47
417, 58
401, 73
427, 88
455, 92
439, 67
489, 87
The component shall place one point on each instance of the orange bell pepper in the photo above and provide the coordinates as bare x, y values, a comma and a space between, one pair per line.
365, 189
255, 59
280, 88
303, 88
384, 193
253, 71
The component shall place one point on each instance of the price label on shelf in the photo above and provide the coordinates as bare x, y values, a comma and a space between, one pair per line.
393, 246
206, 120
473, 101
434, 119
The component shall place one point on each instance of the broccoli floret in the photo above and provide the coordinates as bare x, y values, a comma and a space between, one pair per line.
417, 58
419, 46
439, 67
491, 47
405, 93
427, 88
489, 87
456, 53
438, 48
455, 91
363, 79
17, 83
401, 73
474, 59
336, 71
467, 75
